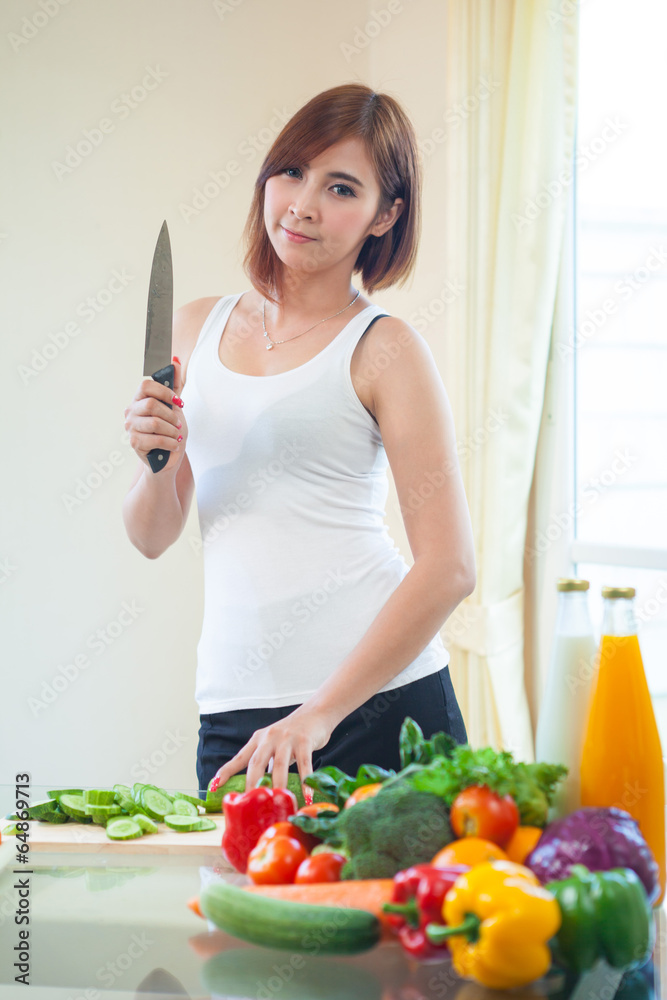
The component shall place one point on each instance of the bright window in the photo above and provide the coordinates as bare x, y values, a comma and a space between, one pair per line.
620, 340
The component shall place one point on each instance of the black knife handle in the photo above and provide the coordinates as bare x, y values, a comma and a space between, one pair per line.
158, 457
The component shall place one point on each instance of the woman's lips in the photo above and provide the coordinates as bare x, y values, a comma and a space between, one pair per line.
295, 237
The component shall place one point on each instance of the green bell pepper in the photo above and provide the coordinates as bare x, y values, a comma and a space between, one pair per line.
605, 915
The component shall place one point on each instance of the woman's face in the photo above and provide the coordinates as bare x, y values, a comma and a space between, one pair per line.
337, 212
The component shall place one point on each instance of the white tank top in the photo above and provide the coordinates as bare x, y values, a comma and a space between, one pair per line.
291, 485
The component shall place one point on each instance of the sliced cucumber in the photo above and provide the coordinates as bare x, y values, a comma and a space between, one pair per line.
57, 816
73, 804
188, 798
127, 803
110, 810
123, 789
184, 808
136, 791
40, 810
204, 823
189, 824
184, 824
10, 831
65, 791
123, 829
99, 796
147, 825
155, 803
102, 814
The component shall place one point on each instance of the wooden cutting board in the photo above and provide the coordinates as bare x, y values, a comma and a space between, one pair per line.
90, 838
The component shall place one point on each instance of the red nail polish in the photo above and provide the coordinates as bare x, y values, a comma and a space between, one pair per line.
179, 402
180, 437
178, 360
213, 787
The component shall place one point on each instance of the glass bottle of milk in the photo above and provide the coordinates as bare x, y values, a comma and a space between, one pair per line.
564, 710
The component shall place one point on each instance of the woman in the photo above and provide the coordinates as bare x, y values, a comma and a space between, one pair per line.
317, 639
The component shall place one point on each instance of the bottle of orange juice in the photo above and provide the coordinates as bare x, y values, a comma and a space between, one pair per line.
621, 762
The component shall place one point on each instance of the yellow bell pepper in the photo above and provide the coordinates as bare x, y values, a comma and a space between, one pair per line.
499, 922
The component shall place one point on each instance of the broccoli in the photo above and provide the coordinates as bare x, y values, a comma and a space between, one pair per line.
393, 830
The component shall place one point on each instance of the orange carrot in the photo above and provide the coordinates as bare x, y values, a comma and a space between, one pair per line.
194, 906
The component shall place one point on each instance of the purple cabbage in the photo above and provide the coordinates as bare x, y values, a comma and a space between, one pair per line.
598, 838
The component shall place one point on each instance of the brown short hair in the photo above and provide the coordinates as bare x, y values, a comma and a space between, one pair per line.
344, 112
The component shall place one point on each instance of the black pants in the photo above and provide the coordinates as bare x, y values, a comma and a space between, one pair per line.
369, 735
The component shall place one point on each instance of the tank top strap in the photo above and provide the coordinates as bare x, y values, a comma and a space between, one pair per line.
353, 333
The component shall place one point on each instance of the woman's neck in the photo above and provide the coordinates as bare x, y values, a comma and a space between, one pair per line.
311, 298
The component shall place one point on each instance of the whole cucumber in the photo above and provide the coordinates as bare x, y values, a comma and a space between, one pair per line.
237, 784
279, 923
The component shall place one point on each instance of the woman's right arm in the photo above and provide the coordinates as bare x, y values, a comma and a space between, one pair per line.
157, 504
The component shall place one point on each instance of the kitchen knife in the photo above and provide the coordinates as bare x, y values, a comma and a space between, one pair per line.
157, 349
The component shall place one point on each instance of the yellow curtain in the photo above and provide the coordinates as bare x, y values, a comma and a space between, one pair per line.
511, 84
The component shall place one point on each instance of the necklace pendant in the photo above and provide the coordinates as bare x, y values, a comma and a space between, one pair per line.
269, 347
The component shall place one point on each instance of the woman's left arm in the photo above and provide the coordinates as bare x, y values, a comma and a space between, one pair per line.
415, 419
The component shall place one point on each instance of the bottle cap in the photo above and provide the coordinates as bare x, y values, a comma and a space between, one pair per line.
616, 593
565, 584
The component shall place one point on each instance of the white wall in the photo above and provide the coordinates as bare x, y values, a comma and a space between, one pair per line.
221, 75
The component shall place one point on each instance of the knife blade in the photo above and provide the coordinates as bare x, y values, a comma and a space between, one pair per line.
157, 347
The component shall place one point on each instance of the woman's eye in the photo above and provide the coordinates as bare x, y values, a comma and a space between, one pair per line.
342, 190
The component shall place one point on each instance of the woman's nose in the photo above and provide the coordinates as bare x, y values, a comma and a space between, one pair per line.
303, 207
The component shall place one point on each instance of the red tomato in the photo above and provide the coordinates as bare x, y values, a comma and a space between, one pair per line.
323, 867
286, 829
275, 861
479, 812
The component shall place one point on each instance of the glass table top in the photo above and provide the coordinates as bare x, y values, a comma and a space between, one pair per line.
117, 926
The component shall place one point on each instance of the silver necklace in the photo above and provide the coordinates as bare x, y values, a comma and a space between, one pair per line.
272, 343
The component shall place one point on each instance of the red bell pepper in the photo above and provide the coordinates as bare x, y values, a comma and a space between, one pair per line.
417, 900
248, 814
